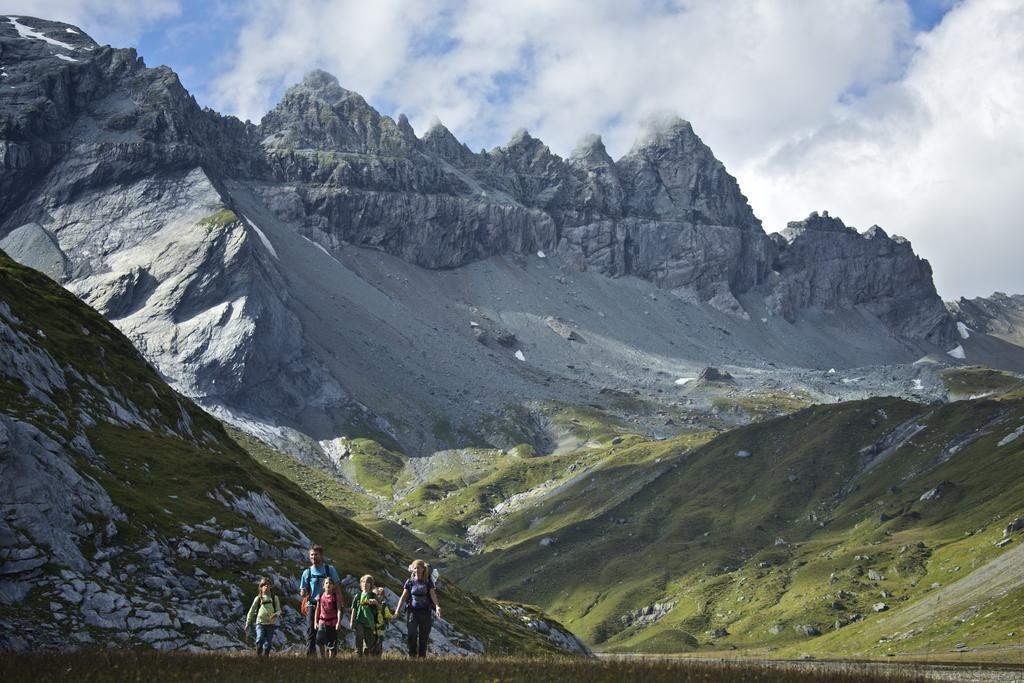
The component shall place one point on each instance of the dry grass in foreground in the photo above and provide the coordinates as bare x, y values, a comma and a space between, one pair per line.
149, 666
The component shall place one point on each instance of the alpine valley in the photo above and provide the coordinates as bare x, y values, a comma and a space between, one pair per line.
584, 387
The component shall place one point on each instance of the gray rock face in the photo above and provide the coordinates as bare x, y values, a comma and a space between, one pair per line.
807, 630
36, 524
669, 212
345, 173
1014, 526
822, 263
937, 492
562, 639
35, 247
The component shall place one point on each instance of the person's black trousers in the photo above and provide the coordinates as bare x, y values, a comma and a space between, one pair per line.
419, 623
310, 630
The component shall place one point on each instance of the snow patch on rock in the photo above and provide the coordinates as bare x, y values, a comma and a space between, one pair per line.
32, 34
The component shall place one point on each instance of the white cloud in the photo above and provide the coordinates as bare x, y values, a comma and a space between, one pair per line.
365, 44
744, 71
114, 22
937, 156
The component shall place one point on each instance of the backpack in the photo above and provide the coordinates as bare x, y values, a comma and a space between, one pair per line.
308, 584
421, 601
274, 602
383, 618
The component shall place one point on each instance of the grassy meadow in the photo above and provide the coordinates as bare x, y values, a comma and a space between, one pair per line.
135, 665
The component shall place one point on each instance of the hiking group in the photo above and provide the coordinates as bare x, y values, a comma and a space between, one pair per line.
323, 606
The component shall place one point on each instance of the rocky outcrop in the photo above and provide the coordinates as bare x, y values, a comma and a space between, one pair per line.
822, 263
59, 517
710, 374
344, 173
554, 632
669, 212
77, 116
645, 616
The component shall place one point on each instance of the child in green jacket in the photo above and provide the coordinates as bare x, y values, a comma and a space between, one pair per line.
364, 617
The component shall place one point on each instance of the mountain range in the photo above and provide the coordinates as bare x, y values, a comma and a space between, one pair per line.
328, 273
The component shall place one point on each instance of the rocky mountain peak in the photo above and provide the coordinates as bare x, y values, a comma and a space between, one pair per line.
406, 128
319, 114
671, 174
590, 152
522, 144
875, 232
999, 315
520, 137
816, 222
438, 131
821, 262
323, 85
598, 190
440, 141
665, 133
527, 169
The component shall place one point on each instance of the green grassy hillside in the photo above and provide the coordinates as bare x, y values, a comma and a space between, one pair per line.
763, 537
975, 381
774, 533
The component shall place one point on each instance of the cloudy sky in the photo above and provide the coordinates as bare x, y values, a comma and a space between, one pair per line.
908, 114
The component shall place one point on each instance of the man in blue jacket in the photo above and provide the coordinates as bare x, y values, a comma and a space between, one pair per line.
311, 585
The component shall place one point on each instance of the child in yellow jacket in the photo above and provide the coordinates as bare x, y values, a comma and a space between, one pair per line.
383, 619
